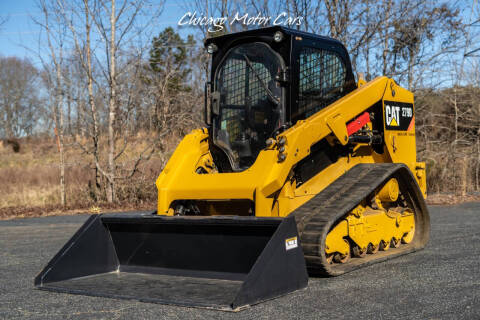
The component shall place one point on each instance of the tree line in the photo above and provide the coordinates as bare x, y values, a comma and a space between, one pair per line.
107, 74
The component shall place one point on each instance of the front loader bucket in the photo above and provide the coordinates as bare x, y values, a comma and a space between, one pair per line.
213, 262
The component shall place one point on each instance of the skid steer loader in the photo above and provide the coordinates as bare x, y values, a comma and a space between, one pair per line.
300, 170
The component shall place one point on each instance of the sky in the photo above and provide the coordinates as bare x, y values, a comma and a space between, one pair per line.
20, 31
19, 35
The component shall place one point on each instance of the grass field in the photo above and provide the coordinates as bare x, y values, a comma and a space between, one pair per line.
31, 178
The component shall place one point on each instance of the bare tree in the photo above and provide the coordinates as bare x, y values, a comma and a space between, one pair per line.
20, 102
117, 33
55, 34
112, 103
83, 51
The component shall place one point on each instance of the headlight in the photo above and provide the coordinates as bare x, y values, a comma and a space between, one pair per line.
278, 36
211, 48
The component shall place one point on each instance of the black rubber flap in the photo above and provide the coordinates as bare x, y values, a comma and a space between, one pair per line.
215, 262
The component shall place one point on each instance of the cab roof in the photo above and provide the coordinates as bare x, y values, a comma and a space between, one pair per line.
226, 38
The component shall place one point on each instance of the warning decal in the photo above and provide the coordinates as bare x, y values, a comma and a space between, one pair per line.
398, 115
291, 243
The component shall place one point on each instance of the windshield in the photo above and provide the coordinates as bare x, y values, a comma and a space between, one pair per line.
249, 102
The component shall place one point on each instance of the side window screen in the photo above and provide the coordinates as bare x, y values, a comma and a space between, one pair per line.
321, 81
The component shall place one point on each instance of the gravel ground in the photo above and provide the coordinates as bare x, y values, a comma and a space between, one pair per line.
440, 282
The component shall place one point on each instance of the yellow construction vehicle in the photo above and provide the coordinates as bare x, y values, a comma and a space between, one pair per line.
299, 168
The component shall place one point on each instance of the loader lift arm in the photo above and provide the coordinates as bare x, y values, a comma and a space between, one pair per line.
331, 120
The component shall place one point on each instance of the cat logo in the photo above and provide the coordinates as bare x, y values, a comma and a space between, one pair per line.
392, 115
398, 116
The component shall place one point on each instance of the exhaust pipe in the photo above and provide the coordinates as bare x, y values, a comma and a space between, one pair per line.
224, 262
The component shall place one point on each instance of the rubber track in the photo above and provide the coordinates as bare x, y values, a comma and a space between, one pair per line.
316, 217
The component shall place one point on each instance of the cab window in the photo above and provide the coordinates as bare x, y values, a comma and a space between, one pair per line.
321, 81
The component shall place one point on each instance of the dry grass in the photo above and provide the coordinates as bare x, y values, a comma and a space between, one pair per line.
8, 213
450, 199
39, 185
31, 178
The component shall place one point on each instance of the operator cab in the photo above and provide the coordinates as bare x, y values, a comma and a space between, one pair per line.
263, 81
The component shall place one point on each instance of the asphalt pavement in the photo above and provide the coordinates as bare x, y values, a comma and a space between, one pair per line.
439, 282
